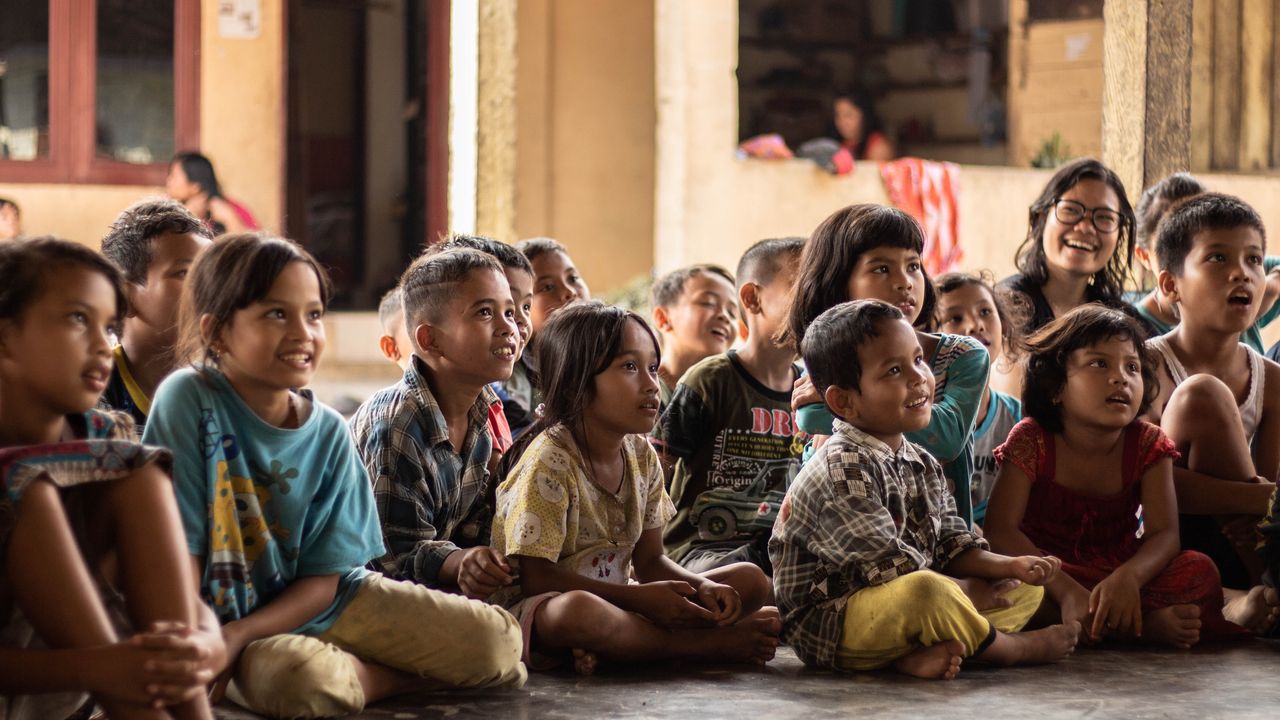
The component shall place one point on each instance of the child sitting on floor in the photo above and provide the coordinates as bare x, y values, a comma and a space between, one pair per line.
76, 490
729, 427
1219, 399
584, 509
394, 342
556, 283
1076, 470
869, 525
695, 311
153, 243
426, 441
969, 305
278, 511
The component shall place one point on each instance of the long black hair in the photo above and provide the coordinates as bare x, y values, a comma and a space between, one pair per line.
199, 170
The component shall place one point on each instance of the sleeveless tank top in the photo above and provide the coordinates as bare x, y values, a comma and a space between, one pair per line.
1250, 408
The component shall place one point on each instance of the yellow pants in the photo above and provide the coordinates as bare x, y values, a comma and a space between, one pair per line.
885, 622
448, 639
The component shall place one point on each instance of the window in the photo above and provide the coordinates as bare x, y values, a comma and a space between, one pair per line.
97, 91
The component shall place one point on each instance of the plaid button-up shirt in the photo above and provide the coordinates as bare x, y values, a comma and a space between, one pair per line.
857, 515
431, 500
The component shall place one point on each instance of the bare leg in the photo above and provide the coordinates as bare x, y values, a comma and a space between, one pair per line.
1256, 609
57, 594
153, 557
1203, 420
1035, 647
580, 620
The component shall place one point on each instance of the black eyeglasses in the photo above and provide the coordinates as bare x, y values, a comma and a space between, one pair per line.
1070, 212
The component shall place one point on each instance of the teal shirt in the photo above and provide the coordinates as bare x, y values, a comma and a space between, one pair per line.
261, 504
1251, 337
960, 367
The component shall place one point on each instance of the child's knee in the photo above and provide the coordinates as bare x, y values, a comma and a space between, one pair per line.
1202, 399
752, 584
577, 618
925, 588
297, 676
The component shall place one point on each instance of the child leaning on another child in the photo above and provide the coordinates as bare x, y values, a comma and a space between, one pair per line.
729, 427
872, 565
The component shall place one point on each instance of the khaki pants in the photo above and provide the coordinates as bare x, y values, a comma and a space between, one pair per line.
885, 622
448, 639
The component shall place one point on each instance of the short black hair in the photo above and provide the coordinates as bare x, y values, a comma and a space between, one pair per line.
1049, 348
430, 282
668, 289
507, 255
1206, 211
831, 342
26, 264
128, 242
1157, 200
390, 304
763, 260
533, 247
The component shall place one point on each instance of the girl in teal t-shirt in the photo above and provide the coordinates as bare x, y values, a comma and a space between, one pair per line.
279, 513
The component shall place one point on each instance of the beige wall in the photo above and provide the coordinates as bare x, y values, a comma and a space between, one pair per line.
711, 206
585, 135
241, 116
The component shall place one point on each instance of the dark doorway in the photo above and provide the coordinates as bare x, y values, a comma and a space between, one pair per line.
358, 128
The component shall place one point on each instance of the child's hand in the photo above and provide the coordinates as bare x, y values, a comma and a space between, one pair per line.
804, 393
139, 675
722, 600
667, 603
189, 658
1116, 606
1034, 570
482, 572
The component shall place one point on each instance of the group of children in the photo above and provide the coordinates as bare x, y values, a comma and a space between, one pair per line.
557, 481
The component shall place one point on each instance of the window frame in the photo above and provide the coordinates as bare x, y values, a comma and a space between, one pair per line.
73, 157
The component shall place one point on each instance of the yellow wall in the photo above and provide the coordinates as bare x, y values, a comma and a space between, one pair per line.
241, 116
585, 134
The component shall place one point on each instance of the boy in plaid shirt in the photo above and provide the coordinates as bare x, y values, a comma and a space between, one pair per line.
872, 565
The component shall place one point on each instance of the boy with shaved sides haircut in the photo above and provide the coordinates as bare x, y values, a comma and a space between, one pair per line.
153, 242
394, 343
729, 429
425, 440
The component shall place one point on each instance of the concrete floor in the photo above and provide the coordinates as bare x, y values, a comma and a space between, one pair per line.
1240, 680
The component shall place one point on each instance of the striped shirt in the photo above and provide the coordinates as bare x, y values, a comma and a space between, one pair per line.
857, 515
431, 500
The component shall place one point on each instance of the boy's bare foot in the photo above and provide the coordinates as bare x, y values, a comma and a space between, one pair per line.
584, 661
1257, 610
753, 639
1176, 625
936, 662
1047, 645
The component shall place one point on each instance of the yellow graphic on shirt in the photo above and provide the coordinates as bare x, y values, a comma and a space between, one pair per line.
240, 531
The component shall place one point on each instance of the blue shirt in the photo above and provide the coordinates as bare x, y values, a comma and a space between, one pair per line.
261, 504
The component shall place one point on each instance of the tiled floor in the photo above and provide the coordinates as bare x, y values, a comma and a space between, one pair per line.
1240, 680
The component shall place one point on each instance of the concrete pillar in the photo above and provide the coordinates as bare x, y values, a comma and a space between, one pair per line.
1146, 106
496, 121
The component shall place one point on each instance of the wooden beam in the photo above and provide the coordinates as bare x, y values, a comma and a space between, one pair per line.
1202, 85
1146, 111
1226, 84
1257, 26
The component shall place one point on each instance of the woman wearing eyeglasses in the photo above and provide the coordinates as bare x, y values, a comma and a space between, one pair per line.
1079, 245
